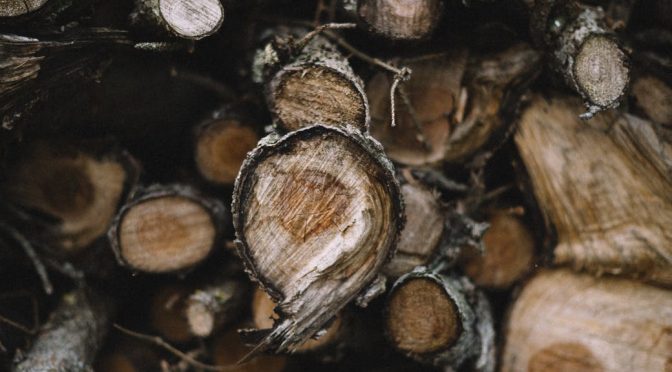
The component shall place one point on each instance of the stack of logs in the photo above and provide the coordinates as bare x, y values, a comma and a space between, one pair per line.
386, 185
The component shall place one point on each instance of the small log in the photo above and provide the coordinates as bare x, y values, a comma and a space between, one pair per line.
187, 19
452, 106
215, 305
17, 8
221, 144
166, 228
509, 252
583, 50
78, 185
564, 321
440, 320
315, 85
167, 313
605, 184
400, 19
227, 350
654, 98
71, 338
329, 198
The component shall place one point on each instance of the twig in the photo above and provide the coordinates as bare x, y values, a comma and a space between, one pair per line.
32, 255
414, 119
158, 341
16, 325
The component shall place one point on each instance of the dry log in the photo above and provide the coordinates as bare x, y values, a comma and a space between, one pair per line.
79, 185
440, 320
188, 19
72, 336
336, 224
400, 19
564, 321
166, 228
228, 350
654, 98
215, 305
313, 85
509, 252
583, 50
452, 106
605, 184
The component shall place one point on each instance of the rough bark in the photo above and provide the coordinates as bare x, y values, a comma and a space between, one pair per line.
400, 19
457, 103
440, 320
166, 228
337, 225
215, 305
564, 321
188, 19
71, 337
583, 50
654, 98
605, 185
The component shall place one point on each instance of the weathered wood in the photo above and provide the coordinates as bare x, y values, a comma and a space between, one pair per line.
336, 225
188, 19
15, 8
400, 19
605, 185
564, 321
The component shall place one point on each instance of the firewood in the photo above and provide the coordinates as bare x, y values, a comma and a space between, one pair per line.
314, 85
329, 198
440, 320
166, 228
15, 8
509, 252
228, 350
78, 184
214, 305
188, 19
654, 98
583, 51
564, 321
452, 105
71, 338
167, 313
400, 19
605, 184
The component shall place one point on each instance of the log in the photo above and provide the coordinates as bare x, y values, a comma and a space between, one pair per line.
582, 50
403, 20
456, 103
187, 19
654, 98
71, 338
606, 186
337, 225
16, 8
509, 252
166, 228
228, 350
440, 320
215, 305
564, 321
221, 143
167, 313
79, 185
314, 85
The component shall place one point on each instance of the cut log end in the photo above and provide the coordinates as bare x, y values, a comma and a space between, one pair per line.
601, 71
15, 8
422, 318
221, 148
317, 95
192, 19
401, 19
201, 319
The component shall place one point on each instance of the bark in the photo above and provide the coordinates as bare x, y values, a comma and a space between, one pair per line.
215, 305
337, 225
440, 320
400, 19
654, 98
605, 185
457, 103
188, 19
564, 321
582, 50
72, 336
314, 85
166, 228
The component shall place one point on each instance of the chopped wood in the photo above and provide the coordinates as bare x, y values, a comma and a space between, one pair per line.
188, 19
400, 19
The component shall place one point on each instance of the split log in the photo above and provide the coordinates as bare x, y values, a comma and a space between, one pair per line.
72, 336
400, 19
605, 184
166, 228
571, 322
336, 224
440, 320
215, 305
453, 105
229, 350
583, 51
221, 144
78, 185
314, 85
509, 252
654, 98
188, 19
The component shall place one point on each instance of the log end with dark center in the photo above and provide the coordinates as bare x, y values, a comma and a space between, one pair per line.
601, 70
